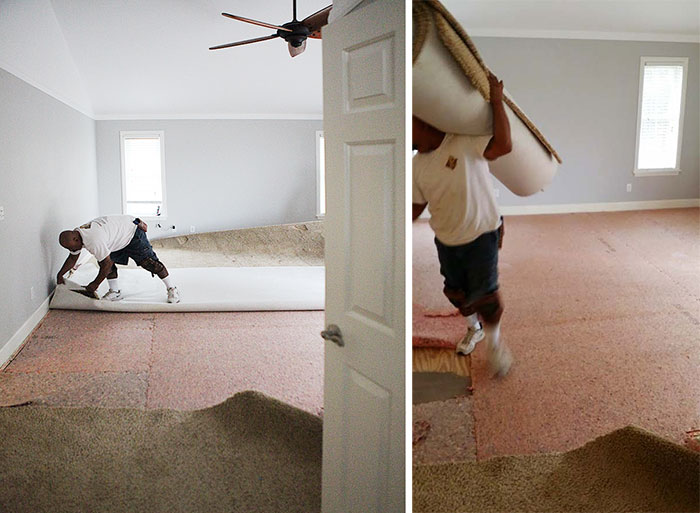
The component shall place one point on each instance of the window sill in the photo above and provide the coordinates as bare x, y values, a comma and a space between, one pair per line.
320, 217
656, 172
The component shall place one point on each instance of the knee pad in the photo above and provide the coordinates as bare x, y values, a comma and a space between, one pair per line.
113, 272
490, 308
152, 265
458, 299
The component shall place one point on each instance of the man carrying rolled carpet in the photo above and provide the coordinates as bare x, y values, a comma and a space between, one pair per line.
113, 240
451, 177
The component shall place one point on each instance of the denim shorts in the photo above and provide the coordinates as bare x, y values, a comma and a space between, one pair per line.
470, 270
138, 249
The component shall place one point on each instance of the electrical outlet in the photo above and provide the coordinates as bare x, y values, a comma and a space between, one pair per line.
191, 229
496, 192
32, 294
629, 187
2, 213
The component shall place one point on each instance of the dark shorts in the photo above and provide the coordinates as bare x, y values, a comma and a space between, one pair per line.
470, 270
138, 249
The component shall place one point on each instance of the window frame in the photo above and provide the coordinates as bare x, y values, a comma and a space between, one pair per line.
140, 134
320, 174
644, 60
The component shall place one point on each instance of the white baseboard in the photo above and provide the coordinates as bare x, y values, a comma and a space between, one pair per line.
570, 208
11, 346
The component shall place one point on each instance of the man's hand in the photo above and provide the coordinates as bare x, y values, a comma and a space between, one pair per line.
70, 262
92, 287
496, 89
143, 226
500, 144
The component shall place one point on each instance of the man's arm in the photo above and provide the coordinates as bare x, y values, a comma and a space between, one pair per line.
105, 268
500, 144
67, 265
418, 209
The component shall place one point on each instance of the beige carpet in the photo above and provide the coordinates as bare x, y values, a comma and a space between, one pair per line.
286, 244
250, 453
627, 470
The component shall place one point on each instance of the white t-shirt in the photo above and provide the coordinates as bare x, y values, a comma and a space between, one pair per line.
454, 180
106, 234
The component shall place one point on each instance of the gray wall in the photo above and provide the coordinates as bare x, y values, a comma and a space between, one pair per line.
583, 95
47, 184
222, 174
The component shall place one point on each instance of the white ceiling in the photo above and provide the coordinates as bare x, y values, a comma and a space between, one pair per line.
150, 58
141, 59
655, 20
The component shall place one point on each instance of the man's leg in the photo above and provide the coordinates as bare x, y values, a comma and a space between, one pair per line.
142, 252
474, 333
483, 284
155, 266
114, 294
490, 309
453, 270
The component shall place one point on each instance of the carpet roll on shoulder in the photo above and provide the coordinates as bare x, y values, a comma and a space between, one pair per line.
451, 92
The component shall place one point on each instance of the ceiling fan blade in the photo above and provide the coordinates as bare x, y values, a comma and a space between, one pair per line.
296, 50
316, 21
255, 22
247, 41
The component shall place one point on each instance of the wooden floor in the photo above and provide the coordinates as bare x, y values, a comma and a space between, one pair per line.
432, 359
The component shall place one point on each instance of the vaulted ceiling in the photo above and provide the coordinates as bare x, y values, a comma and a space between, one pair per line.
150, 58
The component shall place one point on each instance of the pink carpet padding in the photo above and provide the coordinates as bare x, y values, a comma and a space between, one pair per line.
436, 323
202, 289
601, 313
183, 361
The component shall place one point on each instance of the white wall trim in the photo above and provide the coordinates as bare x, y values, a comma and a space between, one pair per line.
598, 207
584, 34
11, 346
83, 109
572, 208
136, 117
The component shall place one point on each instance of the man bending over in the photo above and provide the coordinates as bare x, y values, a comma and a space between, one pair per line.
112, 240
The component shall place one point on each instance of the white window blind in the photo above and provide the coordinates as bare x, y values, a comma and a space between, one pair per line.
660, 112
142, 174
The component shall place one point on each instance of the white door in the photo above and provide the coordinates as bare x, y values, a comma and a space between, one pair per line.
364, 389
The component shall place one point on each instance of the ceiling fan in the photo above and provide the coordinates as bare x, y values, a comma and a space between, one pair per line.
293, 32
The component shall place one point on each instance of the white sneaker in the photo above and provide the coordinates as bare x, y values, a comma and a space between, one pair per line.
113, 295
500, 359
173, 295
468, 343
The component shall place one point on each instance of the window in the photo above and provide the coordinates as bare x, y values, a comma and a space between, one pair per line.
143, 174
662, 84
320, 175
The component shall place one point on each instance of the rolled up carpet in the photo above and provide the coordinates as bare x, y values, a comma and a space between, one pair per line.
451, 92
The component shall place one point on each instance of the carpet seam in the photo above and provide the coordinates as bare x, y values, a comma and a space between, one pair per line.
150, 362
648, 262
